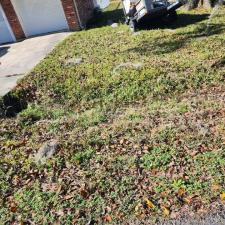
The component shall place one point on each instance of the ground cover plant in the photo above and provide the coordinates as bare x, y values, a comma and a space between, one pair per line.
139, 119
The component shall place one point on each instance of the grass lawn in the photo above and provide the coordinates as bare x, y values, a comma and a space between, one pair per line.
140, 122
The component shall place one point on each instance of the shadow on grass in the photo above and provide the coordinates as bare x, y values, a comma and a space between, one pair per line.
164, 45
158, 47
211, 29
183, 20
11, 104
107, 17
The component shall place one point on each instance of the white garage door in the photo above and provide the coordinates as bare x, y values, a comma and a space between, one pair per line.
40, 16
5, 32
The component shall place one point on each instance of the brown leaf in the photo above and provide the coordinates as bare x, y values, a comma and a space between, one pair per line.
107, 218
166, 211
67, 197
141, 216
146, 148
50, 187
164, 194
188, 200
181, 192
84, 193
193, 153
215, 187
13, 207
16, 180
174, 215
108, 209
154, 171
60, 212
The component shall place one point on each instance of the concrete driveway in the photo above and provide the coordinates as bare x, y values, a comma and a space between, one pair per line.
19, 58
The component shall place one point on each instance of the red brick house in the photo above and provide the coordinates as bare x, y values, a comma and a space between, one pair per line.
24, 18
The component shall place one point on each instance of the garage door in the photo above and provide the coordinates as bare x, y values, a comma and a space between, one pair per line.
40, 16
5, 33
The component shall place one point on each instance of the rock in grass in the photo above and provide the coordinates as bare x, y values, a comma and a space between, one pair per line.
136, 33
46, 151
136, 66
114, 25
74, 61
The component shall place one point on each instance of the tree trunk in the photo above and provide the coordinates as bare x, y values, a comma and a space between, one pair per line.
207, 4
192, 4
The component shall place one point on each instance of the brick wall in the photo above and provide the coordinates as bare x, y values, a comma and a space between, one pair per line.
85, 9
70, 13
12, 18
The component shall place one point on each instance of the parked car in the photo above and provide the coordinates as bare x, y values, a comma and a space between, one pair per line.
137, 11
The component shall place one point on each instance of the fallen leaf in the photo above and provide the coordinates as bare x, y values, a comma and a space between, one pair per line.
187, 200
154, 171
164, 194
137, 207
67, 197
50, 187
222, 196
146, 148
60, 212
121, 141
149, 204
108, 209
215, 187
141, 216
107, 218
166, 211
174, 215
84, 193
181, 192
193, 153
13, 207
